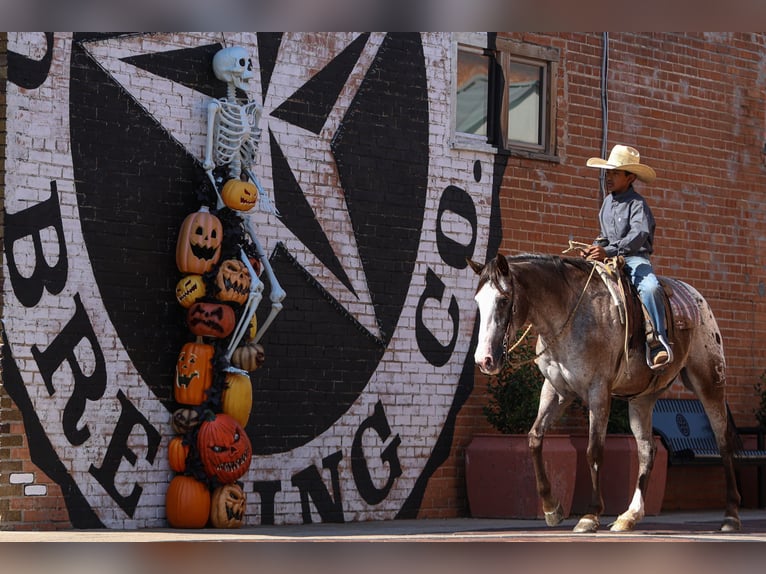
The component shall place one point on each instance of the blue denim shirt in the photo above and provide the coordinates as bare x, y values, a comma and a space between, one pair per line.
627, 224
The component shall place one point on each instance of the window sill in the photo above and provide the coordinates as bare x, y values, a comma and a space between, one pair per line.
529, 154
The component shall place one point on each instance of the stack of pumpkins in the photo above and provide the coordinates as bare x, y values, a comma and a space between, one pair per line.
211, 450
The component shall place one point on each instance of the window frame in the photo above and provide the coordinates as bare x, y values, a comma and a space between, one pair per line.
498, 65
547, 59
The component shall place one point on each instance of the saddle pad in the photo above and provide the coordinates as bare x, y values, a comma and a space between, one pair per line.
683, 306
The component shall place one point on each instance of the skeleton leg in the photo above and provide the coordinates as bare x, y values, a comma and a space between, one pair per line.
277, 294
253, 300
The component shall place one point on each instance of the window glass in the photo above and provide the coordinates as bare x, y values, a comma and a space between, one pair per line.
472, 92
525, 85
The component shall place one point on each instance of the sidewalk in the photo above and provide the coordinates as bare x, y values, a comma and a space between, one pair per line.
669, 526
452, 546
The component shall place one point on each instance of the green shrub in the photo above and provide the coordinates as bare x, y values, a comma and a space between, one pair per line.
514, 393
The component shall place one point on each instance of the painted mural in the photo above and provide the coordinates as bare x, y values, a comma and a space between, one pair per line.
375, 212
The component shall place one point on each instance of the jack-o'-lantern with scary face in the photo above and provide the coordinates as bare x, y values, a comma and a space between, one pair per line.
184, 420
199, 242
233, 280
224, 448
239, 195
189, 290
211, 320
227, 509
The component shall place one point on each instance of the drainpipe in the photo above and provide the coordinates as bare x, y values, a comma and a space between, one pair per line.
604, 109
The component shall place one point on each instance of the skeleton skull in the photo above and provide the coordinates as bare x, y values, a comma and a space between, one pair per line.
233, 65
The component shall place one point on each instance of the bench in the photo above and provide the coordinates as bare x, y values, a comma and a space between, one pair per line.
685, 431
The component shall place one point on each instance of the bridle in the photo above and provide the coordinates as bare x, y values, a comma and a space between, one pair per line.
507, 337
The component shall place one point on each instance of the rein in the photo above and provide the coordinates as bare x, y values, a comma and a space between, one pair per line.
554, 339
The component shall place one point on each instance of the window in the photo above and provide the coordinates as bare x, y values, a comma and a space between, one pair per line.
507, 97
472, 91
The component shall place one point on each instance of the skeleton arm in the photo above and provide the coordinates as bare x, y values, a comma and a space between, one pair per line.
213, 108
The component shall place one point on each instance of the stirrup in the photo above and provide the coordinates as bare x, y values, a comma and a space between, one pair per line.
666, 346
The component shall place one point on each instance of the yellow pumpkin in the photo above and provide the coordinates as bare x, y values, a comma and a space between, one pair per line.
237, 397
239, 195
189, 290
252, 328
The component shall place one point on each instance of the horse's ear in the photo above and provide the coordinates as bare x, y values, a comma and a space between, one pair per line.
477, 267
502, 264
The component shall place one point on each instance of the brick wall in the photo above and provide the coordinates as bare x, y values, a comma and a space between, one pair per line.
695, 107
693, 104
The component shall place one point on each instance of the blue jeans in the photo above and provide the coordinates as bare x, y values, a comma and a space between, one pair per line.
649, 290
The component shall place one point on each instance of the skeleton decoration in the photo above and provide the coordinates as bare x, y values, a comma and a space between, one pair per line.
232, 141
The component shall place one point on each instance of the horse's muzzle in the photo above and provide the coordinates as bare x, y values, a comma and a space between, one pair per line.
487, 365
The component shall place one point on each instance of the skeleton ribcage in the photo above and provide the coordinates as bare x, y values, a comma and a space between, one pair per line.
236, 133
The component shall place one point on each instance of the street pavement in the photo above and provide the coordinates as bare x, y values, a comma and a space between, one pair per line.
690, 526
673, 543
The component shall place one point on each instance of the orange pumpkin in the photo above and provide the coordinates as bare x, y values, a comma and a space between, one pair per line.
237, 397
233, 281
211, 320
189, 290
239, 195
194, 373
224, 448
187, 502
198, 248
177, 453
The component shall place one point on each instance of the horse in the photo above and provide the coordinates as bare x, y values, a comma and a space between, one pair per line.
581, 351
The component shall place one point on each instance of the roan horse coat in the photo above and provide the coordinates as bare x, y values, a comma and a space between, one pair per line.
581, 352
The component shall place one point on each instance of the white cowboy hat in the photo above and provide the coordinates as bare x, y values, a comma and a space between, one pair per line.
625, 158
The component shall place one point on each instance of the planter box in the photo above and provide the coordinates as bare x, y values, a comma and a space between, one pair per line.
618, 475
500, 478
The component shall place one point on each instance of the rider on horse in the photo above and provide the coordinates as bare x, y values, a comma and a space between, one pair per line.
627, 230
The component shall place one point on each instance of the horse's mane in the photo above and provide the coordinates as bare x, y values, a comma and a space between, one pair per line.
559, 264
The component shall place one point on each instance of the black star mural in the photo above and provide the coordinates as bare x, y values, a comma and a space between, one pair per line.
362, 116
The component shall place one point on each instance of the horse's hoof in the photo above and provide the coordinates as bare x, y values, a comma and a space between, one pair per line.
554, 517
622, 525
731, 524
587, 524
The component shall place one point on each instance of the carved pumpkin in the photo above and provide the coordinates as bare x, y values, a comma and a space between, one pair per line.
227, 508
194, 373
187, 503
248, 357
237, 397
233, 280
189, 290
184, 420
239, 195
224, 448
199, 242
211, 320
177, 453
